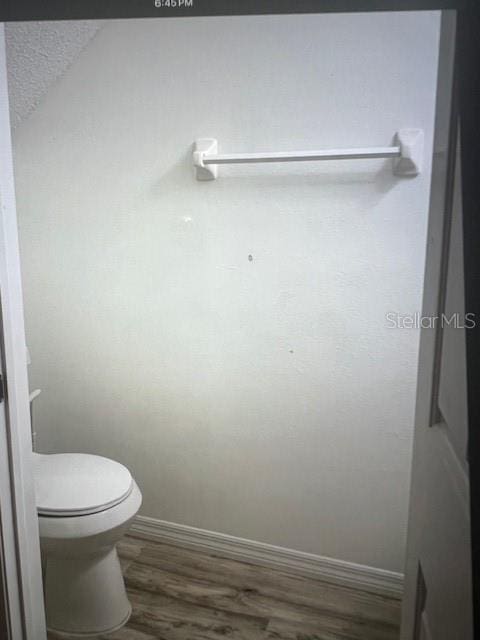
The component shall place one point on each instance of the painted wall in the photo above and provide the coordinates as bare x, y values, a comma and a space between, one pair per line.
38, 55
227, 341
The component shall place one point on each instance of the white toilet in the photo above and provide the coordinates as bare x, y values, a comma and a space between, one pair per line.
85, 505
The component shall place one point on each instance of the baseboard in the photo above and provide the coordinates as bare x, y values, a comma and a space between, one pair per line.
289, 560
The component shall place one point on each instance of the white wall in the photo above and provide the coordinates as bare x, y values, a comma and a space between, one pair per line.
264, 398
38, 54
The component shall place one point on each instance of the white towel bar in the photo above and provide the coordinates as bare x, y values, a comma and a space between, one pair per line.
406, 152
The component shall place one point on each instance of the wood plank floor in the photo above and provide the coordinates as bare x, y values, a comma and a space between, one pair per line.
178, 594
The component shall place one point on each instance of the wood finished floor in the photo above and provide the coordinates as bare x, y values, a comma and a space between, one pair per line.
178, 594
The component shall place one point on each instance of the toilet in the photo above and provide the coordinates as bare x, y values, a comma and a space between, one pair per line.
85, 505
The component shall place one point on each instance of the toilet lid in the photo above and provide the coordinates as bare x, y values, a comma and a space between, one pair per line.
75, 484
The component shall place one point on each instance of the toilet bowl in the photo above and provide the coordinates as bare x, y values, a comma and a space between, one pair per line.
85, 504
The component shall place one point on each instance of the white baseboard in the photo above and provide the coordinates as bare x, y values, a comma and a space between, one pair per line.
288, 560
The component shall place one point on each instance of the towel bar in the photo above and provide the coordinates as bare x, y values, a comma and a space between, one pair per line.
406, 152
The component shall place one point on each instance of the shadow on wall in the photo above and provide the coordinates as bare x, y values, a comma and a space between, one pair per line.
377, 181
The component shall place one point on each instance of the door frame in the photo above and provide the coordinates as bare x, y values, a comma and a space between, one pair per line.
18, 524
24, 616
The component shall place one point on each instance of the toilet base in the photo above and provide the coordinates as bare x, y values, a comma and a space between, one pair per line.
85, 595
70, 635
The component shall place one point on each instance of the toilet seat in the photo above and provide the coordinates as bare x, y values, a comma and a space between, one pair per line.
78, 484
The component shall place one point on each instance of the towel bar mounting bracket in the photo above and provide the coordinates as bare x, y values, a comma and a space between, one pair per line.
202, 148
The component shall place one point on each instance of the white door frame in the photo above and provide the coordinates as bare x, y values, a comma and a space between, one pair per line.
19, 522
